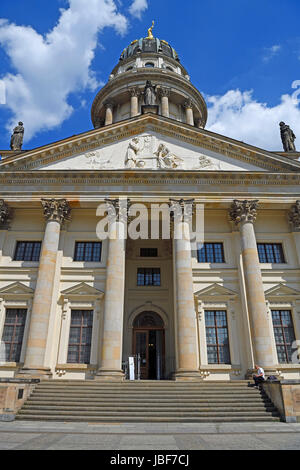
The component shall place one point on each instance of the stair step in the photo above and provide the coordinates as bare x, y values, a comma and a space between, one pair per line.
147, 402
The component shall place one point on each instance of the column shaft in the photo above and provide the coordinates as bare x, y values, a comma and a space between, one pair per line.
134, 104
165, 105
55, 212
187, 357
109, 114
111, 357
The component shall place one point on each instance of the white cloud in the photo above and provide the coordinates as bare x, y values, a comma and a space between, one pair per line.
49, 68
138, 7
271, 52
238, 115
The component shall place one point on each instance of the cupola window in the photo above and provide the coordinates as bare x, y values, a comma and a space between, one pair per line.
149, 65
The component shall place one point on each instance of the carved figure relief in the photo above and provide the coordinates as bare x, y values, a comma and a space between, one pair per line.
166, 159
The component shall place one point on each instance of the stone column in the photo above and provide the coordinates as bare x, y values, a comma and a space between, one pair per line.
109, 113
56, 211
134, 102
112, 340
187, 354
165, 94
189, 112
243, 213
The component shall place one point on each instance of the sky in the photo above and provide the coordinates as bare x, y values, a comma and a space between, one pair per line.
244, 57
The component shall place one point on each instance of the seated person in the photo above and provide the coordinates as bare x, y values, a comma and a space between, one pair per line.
260, 377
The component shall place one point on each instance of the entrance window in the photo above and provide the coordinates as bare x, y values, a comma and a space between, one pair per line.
284, 335
80, 339
28, 251
148, 320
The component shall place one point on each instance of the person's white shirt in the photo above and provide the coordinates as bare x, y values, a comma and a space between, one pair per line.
261, 372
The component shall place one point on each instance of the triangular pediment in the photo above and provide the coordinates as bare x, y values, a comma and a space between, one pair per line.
150, 143
82, 289
16, 288
282, 290
213, 291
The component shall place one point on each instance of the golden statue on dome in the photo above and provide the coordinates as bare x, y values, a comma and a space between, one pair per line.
150, 35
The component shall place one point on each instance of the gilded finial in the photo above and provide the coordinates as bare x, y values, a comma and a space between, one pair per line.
150, 35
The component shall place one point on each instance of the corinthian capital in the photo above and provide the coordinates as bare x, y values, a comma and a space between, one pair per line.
243, 211
56, 209
181, 210
164, 91
118, 209
294, 216
134, 91
5, 214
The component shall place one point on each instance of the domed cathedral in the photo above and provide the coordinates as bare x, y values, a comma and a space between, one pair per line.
133, 300
146, 61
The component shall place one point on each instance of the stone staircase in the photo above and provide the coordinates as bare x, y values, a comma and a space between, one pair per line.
147, 401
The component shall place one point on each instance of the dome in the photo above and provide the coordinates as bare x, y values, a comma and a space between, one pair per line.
149, 45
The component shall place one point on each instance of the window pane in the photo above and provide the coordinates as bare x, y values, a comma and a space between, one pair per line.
80, 337
28, 251
284, 334
217, 337
88, 251
211, 253
13, 332
270, 253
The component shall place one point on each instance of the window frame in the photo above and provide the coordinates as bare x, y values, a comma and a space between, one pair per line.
217, 344
28, 242
15, 324
283, 328
93, 243
152, 276
81, 345
266, 253
204, 246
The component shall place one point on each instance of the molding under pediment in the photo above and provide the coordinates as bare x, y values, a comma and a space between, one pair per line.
215, 292
16, 289
81, 290
280, 291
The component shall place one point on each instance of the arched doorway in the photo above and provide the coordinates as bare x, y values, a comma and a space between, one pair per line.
149, 343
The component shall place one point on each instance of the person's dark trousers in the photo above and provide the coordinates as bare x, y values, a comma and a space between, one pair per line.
258, 380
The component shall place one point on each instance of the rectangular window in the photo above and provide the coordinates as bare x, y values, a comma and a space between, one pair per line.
79, 350
284, 335
28, 251
148, 277
270, 253
88, 251
148, 252
13, 333
217, 337
211, 253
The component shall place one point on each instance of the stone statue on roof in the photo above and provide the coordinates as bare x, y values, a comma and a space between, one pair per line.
288, 138
16, 140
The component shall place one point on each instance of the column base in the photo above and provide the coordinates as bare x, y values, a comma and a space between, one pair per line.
42, 373
188, 376
268, 371
106, 375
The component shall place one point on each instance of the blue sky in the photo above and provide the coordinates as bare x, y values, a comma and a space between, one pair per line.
242, 55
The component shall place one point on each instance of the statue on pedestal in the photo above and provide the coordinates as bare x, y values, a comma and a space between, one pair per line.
16, 140
288, 137
150, 94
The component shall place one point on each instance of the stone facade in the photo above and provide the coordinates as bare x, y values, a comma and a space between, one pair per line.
52, 194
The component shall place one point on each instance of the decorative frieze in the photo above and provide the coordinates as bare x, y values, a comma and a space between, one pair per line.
56, 209
243, 211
